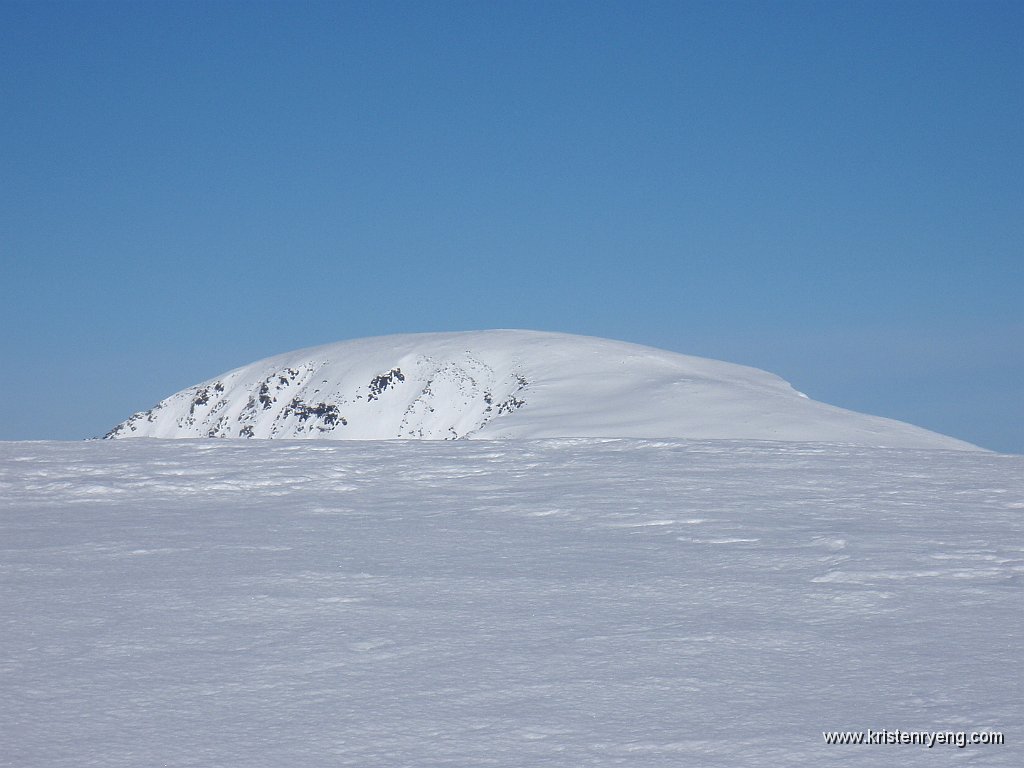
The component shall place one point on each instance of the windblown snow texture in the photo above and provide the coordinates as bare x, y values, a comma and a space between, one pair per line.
501, 384
505, 603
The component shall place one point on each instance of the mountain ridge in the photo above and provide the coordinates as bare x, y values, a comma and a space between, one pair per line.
507, 384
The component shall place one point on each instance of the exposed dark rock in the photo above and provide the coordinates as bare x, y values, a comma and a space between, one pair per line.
266, 399
379, 383
129, 424
328, 413
511, 404
202, 397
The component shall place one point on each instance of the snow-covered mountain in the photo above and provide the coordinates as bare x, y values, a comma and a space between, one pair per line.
507, 384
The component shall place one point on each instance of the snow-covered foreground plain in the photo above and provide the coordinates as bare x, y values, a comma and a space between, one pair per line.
516, 603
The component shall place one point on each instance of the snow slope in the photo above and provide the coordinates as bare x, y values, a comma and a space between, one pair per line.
502, 384
505, 603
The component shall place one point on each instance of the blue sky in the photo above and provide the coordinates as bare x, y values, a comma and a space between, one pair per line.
830, 191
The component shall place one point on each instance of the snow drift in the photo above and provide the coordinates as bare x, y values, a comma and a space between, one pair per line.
519, 603
507, 384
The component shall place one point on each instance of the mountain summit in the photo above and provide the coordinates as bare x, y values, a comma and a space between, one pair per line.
507, 384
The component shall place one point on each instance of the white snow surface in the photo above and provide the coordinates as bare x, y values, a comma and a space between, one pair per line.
507, 384
574, 602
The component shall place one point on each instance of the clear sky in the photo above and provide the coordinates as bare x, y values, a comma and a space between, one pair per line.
830, 191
